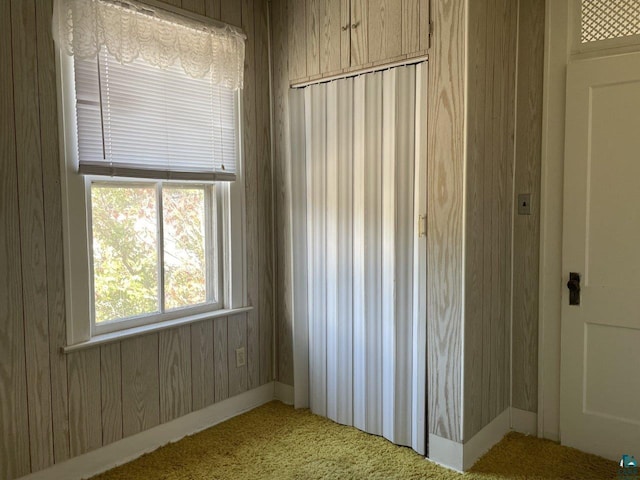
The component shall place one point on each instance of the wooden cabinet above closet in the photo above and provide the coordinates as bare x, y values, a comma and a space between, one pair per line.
330, 37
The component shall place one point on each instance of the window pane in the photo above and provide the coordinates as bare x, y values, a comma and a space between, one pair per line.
125, 252
185, 268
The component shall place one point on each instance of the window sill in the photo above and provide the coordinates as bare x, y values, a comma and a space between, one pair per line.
154, 327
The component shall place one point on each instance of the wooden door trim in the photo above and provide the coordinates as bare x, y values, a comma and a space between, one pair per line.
557, 45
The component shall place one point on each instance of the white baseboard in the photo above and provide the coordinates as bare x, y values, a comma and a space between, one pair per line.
130, 448
284, 393
446, 453
524, 422
461, 457
486, 438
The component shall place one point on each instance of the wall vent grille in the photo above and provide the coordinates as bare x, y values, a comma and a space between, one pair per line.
607, 19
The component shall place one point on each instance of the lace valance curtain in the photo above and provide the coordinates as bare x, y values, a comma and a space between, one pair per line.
130, 30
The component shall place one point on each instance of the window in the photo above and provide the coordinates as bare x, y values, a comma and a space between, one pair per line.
155, 250
153, 209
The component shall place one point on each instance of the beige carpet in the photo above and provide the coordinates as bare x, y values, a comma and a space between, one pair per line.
277, 442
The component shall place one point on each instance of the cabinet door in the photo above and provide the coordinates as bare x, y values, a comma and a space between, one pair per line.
345, 34
384, 29
411, 16
425, 21
331, 35
314, 26
297, 24
359, 32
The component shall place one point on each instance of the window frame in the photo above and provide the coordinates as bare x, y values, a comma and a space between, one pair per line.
133, 321
77, 235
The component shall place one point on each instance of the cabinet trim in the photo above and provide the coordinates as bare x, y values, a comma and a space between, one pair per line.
359, 71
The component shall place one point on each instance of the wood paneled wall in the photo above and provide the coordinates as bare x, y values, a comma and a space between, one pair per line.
445, 223
282, 40
490, 156
526, 229
55, 406
504, 124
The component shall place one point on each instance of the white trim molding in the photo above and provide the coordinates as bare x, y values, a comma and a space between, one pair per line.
486, 438
461, 457
446, 453
130, 448
557, 46
524, 422
284, 393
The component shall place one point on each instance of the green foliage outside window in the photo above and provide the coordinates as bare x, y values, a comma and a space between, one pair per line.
126, 244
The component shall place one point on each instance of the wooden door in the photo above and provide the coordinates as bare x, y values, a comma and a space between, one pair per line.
385, 29
359, 32
331, 35
600, 384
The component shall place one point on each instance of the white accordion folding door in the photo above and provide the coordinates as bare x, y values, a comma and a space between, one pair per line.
358, 173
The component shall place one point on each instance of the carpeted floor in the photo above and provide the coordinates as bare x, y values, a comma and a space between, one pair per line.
277, 442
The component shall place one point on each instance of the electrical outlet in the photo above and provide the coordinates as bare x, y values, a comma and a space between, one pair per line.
241, 357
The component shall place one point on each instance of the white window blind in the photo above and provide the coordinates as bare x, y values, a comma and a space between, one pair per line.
138, 120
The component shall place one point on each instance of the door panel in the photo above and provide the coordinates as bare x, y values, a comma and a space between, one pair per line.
330, 35
600, 386
605, 394
385, 29
359, 28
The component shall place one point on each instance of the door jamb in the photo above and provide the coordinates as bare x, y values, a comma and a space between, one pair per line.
557, 49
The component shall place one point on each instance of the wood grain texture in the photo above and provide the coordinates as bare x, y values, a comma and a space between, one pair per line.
527, 228
212, 9
14, 422
384, 27
359, 32
195, 6
175, 373
490, 130
474, 327
313, 23
425, 19
265, 196
231, 12
345, 33
411, 26
283, 36
140, 384
251, 192
509, 203
33, 249
330, 35
236, 338
445, 220
53, 234
220, 359
504, 105
297, 33
485, 232
202, 371
85, 424
111, 388
497, 321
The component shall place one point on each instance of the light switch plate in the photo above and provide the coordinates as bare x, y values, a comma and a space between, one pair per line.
524, 204
241, 357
